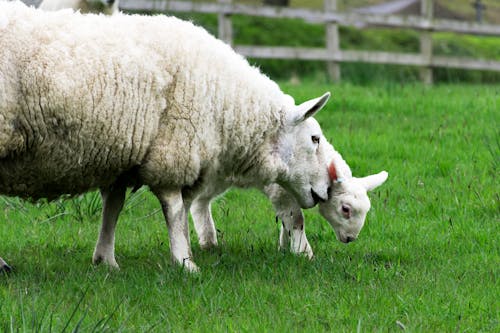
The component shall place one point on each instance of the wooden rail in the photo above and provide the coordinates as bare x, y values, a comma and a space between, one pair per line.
332, 54
314, 16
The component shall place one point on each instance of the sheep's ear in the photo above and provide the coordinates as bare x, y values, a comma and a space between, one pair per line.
308, 109
373, 181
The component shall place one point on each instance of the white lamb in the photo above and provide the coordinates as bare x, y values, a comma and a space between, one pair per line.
345, 209
93, 101
108, 7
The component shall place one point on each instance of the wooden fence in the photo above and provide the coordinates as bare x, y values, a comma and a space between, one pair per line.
332, 19
332, 54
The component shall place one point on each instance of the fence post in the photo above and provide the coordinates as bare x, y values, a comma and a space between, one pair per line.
332, 42
224, 24
427, 11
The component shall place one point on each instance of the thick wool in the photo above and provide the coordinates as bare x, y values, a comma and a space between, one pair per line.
85, 99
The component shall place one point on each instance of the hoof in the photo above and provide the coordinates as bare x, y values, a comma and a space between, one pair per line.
96, 260
207, 242
190, 266
208, 246
5, 269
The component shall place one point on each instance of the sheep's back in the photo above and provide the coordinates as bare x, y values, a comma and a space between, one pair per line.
96, 96
80, 112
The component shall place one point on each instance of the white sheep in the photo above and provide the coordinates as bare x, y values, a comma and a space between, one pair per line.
93, 101
345, 210
108, 7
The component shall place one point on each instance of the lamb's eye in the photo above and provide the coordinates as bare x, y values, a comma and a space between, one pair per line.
346, 211
315, 139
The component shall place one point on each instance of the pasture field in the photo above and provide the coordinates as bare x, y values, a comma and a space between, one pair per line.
427, 260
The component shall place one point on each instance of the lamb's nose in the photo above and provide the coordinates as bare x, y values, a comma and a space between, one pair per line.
110, 2
349, 239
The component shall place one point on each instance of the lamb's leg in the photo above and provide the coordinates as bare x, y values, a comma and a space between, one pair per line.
292, 233
175, 211
112, 203
204, 223
4, 268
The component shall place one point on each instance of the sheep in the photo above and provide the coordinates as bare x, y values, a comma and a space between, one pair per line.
108, 7
109, 102
345, 210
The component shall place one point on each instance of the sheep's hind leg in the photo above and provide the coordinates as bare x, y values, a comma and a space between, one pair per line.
204, 223
175, 210
4, 268
112, 203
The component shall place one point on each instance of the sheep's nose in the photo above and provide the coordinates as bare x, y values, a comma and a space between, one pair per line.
110, 2
349, 239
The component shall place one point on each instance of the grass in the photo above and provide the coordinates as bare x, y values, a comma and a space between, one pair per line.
427, 259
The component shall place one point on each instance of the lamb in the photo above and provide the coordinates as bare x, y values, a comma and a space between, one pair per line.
345, 209
110, 102
108, 7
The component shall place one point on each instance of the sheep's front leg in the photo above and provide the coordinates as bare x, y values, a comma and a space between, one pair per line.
204, 223
112, 203
4, 267
293, 232
175, 212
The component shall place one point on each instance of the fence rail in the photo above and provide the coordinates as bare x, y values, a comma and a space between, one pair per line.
315, 16
332, 54
331, 18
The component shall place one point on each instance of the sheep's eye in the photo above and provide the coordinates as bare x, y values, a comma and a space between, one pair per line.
346, 211
315, 139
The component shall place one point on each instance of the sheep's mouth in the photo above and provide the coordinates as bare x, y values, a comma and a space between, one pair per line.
316, 197
347, 239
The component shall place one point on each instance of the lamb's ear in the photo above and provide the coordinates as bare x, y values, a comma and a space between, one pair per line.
335, 175
373, 181
307, 109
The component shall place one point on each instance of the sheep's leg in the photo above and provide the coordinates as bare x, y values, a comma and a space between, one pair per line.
112, 203
204, 223
293, 232
4, 267
175, 210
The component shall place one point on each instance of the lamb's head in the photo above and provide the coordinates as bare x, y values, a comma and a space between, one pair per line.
348, 201
301, 148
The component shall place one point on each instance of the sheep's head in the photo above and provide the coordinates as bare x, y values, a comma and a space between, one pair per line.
348, 202
99, 6
301, 147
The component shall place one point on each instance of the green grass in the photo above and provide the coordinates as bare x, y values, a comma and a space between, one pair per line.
427, 260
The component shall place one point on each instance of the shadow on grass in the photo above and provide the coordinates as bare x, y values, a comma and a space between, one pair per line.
239, 262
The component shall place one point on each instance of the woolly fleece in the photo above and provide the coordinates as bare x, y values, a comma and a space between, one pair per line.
87, 98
